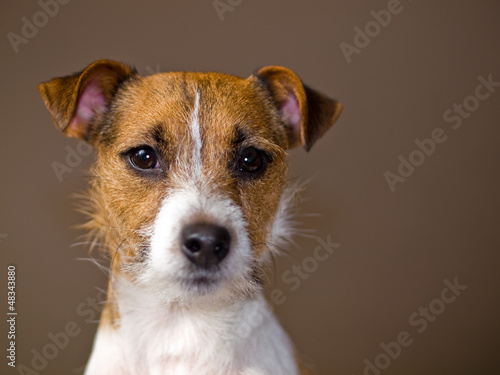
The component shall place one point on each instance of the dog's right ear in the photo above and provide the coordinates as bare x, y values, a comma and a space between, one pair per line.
79, 101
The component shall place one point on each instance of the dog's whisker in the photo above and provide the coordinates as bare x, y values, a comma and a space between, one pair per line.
113, 258
278, 250
306, 235
273, 262
103, 268
310, 214
87, 243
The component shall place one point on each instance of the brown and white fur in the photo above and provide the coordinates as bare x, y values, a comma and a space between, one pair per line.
188, 198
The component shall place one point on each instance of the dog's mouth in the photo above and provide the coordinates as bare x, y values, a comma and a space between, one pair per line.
203, 279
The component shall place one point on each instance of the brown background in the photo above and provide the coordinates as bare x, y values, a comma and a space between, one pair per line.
396, 248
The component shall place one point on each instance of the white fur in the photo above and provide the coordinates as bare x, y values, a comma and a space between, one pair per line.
196, 136
108, 354
235, 338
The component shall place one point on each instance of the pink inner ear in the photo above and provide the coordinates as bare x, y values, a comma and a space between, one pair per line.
290, 111
91, 102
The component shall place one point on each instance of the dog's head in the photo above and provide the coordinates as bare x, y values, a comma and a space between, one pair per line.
188, 184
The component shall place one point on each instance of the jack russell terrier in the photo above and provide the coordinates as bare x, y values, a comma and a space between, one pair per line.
189, 198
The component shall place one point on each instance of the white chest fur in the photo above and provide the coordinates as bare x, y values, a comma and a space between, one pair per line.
241, 338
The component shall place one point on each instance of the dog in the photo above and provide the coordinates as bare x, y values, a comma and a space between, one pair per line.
189, 198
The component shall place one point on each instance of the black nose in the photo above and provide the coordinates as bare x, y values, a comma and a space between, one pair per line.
205, 244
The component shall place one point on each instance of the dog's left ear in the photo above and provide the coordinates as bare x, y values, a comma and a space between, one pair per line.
79, 101
307, 113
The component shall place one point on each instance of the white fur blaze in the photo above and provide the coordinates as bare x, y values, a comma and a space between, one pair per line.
196, 136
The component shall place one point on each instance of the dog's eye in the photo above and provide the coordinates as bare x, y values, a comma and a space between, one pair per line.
144, 158
250, 160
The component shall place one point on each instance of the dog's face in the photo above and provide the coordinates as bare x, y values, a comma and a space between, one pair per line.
192, 161
190, 172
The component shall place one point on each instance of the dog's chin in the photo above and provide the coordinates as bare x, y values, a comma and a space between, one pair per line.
203, 281
198, 286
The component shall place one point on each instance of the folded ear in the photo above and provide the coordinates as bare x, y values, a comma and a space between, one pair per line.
307, 113
78, 101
